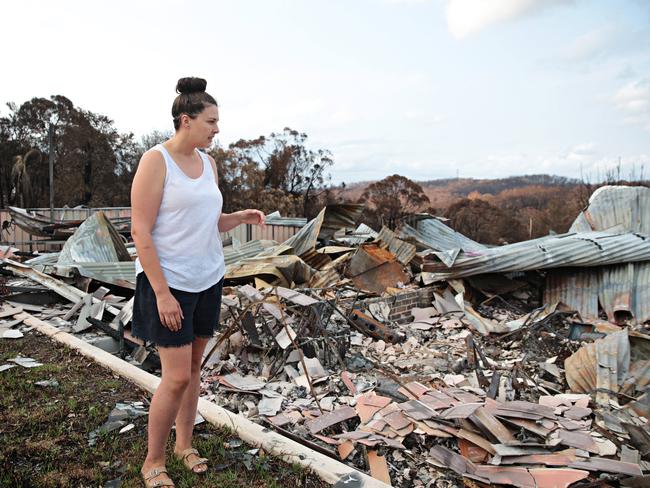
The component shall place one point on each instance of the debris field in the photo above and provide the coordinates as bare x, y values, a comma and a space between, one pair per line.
417, 355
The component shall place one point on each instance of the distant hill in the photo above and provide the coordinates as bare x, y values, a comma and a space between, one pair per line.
444, 192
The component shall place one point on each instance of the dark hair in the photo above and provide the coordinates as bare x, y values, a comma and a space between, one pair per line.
192, 99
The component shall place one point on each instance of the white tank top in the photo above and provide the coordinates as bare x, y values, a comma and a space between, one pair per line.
186, 234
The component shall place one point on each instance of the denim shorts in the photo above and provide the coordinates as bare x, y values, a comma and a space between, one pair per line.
201, 312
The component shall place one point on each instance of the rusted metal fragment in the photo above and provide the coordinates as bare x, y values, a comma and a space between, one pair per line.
347, 381
529, 425
328, 440
417, 410
375, 425
526, 407
378, 467
375, 269
459, 464
557, 459
414, 387
345, 449
437, 400
397, 420
369, 404
519, 477
579, 440
329, 419
281, 270
404, 251
475, 439
373, 328
315, 259
472, 451
462, 395
577, 413
556, 478
369, 439
491, 425
602, 366
460, 411
608, 465
432, 431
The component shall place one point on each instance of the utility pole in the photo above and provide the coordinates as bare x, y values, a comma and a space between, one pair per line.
50, 140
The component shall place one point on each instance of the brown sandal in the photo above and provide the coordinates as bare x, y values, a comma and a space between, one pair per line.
156, 472
184, 455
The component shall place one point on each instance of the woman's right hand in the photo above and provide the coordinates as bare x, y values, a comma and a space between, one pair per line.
169, 311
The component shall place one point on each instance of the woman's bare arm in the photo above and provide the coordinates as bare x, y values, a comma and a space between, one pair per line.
146, 195
229, 221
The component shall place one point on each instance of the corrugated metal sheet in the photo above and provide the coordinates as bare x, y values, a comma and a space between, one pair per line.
247, 250
404, 251
605, 366
276, 219
615, 289
339, 216
621, 208
577, 287
280, 270
305, 240
620, 288
359, 236
585, 250
49, 258
374, 268
444, 240
315, 259
641, 296
95, 241
121, 273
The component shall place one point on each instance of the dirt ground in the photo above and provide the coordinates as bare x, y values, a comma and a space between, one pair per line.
45, 430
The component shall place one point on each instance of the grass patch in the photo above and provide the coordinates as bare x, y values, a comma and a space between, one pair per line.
44, 431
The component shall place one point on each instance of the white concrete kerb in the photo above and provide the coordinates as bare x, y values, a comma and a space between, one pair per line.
330, 470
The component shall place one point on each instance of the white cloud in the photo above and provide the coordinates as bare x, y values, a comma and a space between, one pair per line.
634, 96
633, 99
466, 17
591, 44
580, 152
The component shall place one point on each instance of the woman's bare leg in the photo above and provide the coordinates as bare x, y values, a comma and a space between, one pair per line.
176, 367
187, 411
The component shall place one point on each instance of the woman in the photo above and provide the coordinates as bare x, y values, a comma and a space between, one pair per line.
176, 218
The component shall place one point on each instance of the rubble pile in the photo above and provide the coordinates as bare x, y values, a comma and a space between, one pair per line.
419, 356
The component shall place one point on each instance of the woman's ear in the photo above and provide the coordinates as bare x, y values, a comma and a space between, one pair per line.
185, 121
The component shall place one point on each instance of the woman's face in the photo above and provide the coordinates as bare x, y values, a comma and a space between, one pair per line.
205, 126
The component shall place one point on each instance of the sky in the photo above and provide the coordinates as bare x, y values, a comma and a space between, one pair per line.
423, 88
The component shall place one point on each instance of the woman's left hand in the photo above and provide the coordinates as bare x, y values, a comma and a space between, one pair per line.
251, 216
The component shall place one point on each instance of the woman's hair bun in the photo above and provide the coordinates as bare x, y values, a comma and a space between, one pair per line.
190, 85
